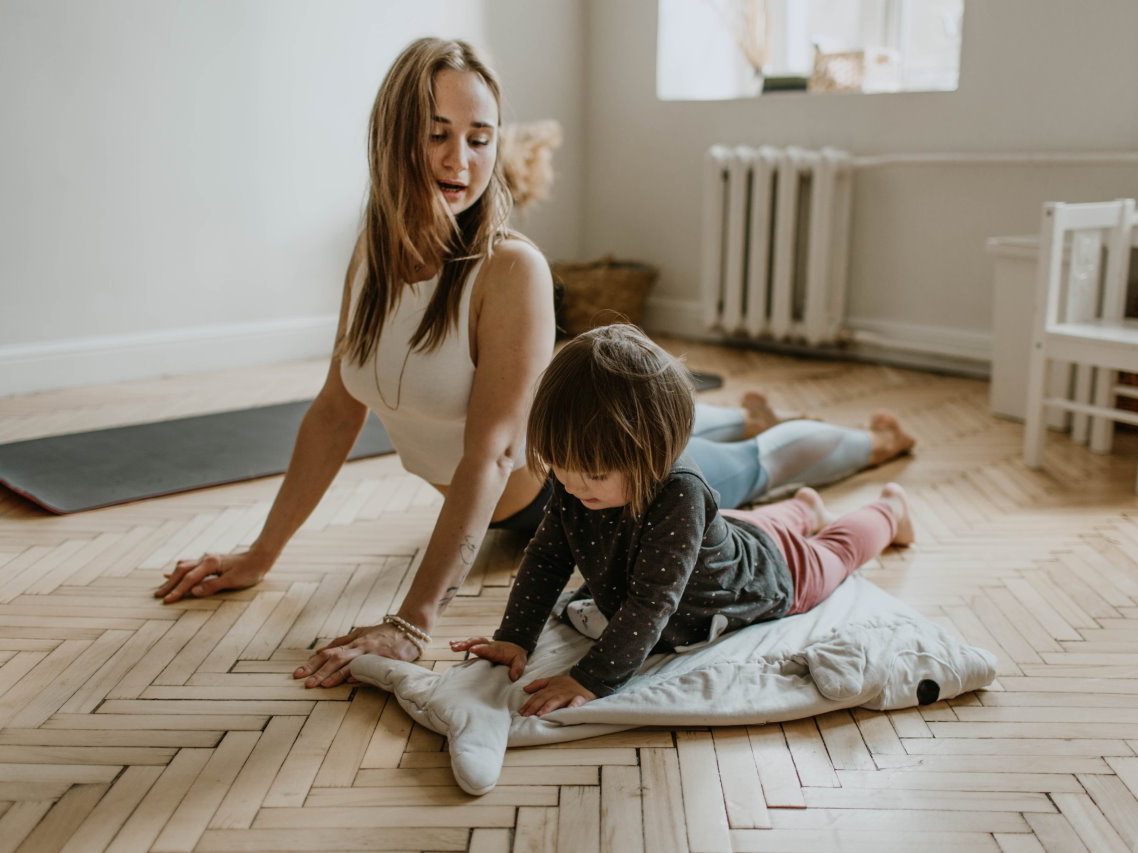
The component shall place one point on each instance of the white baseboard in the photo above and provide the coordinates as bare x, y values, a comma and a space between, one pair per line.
906, 344
680, 317
27, 368
917, 338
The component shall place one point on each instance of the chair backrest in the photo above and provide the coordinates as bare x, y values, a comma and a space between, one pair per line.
1090, 289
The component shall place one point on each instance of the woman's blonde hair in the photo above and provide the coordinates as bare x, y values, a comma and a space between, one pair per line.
407, 225
611, 400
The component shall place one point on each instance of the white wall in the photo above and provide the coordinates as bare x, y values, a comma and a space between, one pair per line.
182, 181
1036, 75
538, 49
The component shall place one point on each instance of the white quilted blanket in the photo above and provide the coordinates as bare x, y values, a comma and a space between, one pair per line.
862, 647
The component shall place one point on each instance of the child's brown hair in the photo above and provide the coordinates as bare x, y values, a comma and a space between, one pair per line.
612, 400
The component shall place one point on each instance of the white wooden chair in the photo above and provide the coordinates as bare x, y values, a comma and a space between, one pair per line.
1079, 320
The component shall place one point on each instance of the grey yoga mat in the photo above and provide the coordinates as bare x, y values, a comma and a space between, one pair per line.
86, 470
705, 381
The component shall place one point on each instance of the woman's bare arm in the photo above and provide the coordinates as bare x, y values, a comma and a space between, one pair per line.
326, 436
514, 338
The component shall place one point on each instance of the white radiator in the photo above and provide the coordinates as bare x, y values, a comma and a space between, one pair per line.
776, 242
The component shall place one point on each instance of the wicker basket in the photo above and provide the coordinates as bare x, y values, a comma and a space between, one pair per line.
602, 291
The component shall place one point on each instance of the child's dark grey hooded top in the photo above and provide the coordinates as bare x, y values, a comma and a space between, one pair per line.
659, 578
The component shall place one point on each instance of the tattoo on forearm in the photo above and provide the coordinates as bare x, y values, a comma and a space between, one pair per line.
468, 550
449, 595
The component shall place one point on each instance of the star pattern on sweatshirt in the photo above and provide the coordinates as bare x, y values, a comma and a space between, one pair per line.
658, 578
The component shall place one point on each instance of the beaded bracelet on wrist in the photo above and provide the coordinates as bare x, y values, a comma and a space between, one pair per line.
409, 627
417, 636
409, 637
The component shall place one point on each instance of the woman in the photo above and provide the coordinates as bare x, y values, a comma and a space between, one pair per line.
445, 325
454, 389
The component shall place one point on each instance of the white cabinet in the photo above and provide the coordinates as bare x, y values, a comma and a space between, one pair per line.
1015, 267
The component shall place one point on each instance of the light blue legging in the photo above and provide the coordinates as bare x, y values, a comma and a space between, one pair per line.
788, 455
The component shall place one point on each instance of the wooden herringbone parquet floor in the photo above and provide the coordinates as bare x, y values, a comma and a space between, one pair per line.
128, 725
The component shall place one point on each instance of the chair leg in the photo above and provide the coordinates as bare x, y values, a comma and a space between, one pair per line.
1102, 429
1080, 423
1035, 424
1060, 383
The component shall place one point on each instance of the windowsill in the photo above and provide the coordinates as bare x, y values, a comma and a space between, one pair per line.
780, 92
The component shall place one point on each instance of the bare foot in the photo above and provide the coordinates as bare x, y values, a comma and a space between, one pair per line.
822, 516
894, 497
758, 416
889, 438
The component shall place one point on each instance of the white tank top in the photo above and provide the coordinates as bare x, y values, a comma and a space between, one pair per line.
420, 396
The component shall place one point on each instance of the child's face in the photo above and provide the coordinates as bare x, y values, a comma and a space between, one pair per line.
597, 490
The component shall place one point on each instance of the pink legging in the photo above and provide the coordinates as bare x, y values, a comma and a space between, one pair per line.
819, 562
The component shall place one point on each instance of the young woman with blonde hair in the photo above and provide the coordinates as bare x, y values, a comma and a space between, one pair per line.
445, 325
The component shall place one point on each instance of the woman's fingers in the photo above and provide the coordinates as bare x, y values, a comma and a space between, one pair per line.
339, 641
329, 665
334, 670
327, 660
174, 578
209, 574
185, 578
209, 586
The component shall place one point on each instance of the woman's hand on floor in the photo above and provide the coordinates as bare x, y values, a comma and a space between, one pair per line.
212, 573
329, 666
497, 651
549, 694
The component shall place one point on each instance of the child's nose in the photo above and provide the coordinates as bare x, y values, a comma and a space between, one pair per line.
576, 487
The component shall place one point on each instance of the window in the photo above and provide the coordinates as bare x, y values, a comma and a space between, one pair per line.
719, 49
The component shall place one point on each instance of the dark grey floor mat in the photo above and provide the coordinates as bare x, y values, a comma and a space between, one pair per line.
85, 470
706, 381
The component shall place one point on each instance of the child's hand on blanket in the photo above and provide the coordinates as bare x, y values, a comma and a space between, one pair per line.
549, 694
497, 651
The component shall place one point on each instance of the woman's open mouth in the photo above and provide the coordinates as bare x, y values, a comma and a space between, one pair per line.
452, 190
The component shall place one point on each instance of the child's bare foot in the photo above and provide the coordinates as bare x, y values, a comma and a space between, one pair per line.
758, 416
894, 497
822, 516
889, 438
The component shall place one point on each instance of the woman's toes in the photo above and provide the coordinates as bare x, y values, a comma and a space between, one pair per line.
758, 415
889, 438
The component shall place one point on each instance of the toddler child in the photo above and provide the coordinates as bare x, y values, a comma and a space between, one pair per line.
610, 420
